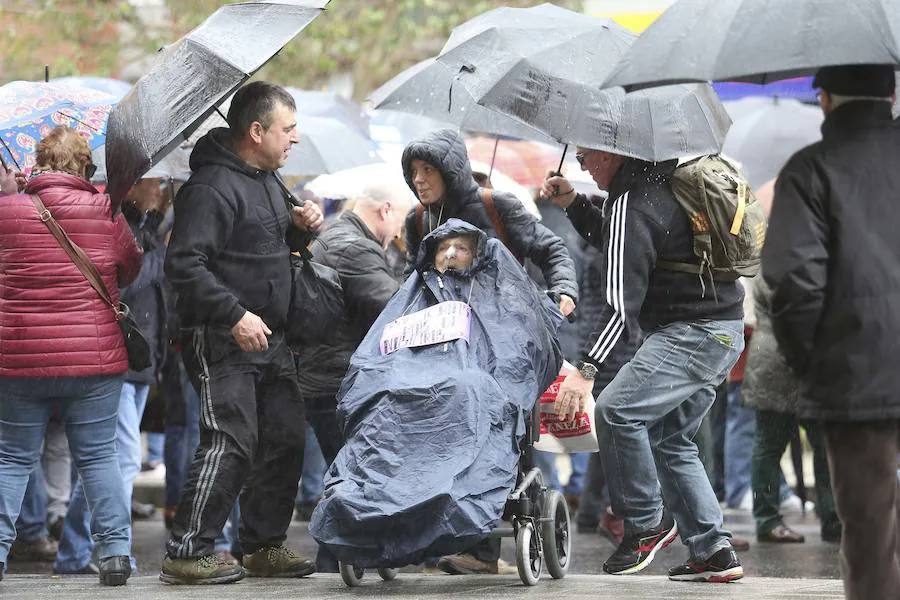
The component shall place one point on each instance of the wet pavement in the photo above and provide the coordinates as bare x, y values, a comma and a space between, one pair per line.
772, 571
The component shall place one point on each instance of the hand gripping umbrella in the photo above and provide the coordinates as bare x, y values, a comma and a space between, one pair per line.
191, 77
759, 41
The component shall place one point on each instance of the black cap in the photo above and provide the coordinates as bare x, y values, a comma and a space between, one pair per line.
857, 80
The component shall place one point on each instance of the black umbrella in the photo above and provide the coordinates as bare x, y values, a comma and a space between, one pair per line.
191, 77
759, 40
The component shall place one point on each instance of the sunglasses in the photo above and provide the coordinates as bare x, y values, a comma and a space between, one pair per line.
89, 171
580, 156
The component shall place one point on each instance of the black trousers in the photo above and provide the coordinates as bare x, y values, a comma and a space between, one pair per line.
252, 436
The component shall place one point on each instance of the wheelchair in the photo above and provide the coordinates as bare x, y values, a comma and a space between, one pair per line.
538, 520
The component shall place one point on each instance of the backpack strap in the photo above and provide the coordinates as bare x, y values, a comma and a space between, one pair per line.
420, 220
487, 197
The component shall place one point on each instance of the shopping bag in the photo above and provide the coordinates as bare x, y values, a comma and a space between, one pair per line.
574, 435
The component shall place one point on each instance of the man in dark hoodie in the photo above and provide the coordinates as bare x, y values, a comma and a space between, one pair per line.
670, 340
832, 260
437, 170
229, 263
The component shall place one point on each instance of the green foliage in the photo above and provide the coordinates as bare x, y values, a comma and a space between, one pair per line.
372, 40
70, 36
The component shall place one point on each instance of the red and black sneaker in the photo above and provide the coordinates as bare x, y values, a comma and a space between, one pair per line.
721, 567
637, 550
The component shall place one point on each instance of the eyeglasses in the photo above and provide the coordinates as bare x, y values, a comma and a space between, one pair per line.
580, 156
90, 170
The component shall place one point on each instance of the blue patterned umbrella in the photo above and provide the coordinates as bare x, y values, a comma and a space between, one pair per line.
29, 110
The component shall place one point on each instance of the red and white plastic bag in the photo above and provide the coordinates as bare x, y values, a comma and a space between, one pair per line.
574, 435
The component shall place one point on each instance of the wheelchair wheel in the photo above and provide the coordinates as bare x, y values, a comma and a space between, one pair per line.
388, 574
351, 575
555, 534
528, 558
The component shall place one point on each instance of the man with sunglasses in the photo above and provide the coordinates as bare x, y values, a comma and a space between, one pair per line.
687, 334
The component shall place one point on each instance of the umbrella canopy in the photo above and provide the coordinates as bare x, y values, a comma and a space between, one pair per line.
107, 85
759, 40
332, 106
191, 77
29, 110
521, 47
525, 162
798, 88
174, 165
768, 133
327, 146
427, 89
657, 124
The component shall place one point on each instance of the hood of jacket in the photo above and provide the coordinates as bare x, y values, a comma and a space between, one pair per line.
215, 148
446, 151
454, 228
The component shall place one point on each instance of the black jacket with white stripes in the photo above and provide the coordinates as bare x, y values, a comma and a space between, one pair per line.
641, 223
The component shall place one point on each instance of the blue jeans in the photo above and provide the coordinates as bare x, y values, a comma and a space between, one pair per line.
740, 430
546, 461
312, 480
156, 443
32, 522
647, 418
76, 545
89, 406
579, 461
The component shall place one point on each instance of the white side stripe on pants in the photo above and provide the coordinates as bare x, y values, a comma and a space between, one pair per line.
213, 456
615, 259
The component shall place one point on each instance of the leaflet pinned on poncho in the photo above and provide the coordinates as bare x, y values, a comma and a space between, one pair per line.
444, 322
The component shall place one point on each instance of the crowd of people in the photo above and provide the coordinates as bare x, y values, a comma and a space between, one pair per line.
210, 281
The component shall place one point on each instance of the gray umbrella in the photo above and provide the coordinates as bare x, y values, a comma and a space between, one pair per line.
330, 105
425, 89
191, 76
328, 146
769, 133
657, 124
174, 165
516, 59
759, 40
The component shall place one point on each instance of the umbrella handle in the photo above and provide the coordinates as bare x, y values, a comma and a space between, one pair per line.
558, 173
8, 151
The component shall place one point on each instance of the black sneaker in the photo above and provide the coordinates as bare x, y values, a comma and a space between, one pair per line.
637, 550
722, 567
115, 570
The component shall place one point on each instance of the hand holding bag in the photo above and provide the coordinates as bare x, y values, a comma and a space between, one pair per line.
135, 343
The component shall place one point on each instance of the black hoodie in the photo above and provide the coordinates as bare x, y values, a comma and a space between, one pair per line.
446, 151
231, 243
642, 222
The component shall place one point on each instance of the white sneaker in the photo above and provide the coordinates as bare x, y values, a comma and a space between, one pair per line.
793, 504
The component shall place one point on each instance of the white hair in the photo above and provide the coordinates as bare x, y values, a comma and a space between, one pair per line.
374, 195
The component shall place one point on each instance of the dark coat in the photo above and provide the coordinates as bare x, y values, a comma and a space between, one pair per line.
769, 384
446, 151
832, 259
231, 243
348, 247
641, 222
145, 296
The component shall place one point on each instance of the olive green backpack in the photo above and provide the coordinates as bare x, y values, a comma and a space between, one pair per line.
727, 220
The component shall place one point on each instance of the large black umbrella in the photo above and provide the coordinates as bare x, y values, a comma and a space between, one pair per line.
191, 76
759, 40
